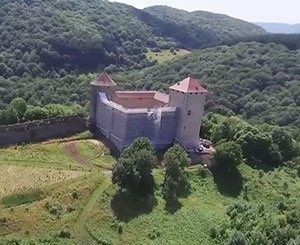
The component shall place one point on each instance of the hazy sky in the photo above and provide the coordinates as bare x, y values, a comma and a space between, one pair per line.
287, 11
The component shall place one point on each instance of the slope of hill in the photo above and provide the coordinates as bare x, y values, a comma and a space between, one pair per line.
258, 81
200, 28
78, 210
55, 38
279, 27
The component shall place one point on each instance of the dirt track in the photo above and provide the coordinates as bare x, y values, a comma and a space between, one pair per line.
72, 150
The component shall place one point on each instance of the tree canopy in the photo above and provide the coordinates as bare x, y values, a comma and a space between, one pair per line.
133, 171
55, 38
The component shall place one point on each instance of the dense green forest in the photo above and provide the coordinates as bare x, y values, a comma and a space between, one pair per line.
53, 38
199, 28
261, 82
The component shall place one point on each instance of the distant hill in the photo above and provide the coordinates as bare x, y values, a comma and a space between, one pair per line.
199, 28
279, 27
53, 38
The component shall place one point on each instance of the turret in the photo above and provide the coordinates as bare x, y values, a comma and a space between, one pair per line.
104, 84
189, 96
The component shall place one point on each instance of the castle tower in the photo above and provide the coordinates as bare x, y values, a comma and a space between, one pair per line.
189, 96
103, 84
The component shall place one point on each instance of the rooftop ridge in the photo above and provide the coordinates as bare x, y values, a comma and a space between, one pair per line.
189, 85
104, 80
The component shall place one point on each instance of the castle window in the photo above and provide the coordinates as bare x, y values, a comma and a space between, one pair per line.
189, 112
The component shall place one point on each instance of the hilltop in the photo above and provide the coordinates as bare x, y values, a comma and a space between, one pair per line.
56, 38
200, 28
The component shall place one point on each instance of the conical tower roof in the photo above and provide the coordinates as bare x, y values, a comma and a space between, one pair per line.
104, 80
189, 85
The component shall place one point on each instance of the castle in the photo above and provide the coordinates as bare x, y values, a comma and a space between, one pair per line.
122, 116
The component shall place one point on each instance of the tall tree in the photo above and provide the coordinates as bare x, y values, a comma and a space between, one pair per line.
133, 171
229, 154
175, 183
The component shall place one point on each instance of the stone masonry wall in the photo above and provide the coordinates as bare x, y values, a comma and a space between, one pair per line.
121, 125
41, 130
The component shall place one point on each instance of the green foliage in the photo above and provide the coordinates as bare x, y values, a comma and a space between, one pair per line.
229, 154
251, 225
197, 29
65, 233
18, 111
9, 116
19, 104
285, 143
178, 153
260, 144
133, 171
35, 113
175, 183
238, 238
257, 81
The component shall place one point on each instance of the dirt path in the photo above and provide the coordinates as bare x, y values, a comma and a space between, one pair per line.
72, 150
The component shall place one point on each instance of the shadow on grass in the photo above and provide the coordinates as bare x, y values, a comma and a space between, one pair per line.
228, 183
126, 206
258, 165
172, 206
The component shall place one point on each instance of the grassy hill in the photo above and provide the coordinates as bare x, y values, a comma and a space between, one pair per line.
74, 206
55, 38
261, 82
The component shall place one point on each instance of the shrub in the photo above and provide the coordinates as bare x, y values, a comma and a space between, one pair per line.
228, 154
238, 238
65, 233
20, 106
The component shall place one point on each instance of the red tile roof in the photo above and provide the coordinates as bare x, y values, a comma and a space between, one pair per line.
143, 95
135, 94
104, 80
189, 85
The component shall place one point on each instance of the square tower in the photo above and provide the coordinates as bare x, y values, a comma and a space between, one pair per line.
189, 97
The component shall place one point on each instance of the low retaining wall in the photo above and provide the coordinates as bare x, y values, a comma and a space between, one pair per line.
41, 130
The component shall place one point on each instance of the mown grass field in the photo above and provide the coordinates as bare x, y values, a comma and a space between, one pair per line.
166, 55
62, 206
17, 179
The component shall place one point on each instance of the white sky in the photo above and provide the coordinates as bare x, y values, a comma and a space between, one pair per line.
284, 11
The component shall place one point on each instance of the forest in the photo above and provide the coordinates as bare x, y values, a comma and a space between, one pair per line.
200, 29
260, 82
257, 81
55, 38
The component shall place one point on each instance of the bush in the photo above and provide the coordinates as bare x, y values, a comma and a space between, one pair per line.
35, 113
65, 233
228, 154
20, 106
238, 238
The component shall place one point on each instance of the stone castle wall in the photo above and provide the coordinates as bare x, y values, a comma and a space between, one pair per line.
122, 125
41, 130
